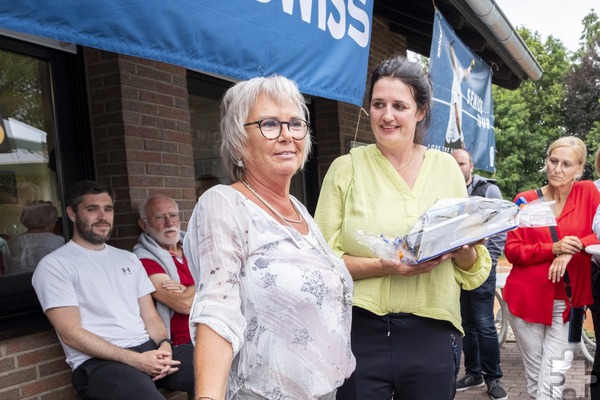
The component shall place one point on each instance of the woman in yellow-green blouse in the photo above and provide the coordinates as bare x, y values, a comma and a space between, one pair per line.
406, 328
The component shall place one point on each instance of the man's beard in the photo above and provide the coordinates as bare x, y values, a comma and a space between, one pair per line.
88, 234
160, 237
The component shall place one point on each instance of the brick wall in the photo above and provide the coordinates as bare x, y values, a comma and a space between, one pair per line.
336, 122
33, 367
141, 134
142, 145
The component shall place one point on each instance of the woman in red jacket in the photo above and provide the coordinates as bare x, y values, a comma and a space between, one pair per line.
535, 289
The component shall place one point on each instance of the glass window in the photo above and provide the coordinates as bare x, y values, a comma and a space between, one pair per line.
204, 113
28, 180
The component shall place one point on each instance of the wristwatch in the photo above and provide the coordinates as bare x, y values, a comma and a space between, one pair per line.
161, 341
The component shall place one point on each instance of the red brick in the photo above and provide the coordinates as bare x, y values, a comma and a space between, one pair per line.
24, 343
7, 364
53, 367
17, 377
45, 384
40, 355
10, 394
144, 156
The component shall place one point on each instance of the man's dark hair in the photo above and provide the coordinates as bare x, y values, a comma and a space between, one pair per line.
75, 193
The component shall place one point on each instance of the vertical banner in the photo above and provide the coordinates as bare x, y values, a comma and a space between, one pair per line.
462, 112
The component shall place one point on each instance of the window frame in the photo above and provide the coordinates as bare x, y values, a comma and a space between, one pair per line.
20, 310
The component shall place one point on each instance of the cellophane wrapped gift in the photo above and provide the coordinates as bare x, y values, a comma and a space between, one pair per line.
452, 223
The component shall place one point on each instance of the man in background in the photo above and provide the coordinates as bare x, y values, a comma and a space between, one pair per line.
160, 250
480, 343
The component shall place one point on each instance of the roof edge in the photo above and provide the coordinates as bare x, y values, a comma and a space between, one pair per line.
498, 29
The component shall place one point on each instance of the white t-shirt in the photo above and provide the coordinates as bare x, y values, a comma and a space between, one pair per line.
105, 285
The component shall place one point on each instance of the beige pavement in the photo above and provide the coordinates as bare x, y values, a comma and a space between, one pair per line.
577, 379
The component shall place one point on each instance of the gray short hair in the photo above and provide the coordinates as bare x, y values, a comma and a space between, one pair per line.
144, 203
235, 107
38, 214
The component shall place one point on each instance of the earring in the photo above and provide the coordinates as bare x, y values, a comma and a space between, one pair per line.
240, 163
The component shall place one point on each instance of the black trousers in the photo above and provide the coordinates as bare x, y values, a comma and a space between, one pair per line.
402, 356
110, 380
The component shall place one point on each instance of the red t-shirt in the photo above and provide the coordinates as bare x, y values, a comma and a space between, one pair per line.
180, 331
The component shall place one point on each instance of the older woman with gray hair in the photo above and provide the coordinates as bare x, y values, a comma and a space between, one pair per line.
25, 250
551, 271
273, 309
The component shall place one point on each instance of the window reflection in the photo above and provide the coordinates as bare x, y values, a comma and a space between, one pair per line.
27, 164
25, 250
206, 138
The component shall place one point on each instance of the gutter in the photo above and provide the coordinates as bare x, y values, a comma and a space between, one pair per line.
504, 34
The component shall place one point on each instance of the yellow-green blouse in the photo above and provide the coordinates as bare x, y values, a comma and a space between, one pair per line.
362, 191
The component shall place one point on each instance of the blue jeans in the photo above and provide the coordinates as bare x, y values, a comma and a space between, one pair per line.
480, 343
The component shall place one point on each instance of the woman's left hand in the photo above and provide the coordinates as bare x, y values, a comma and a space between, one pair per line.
418, 269
466, 256
558, 267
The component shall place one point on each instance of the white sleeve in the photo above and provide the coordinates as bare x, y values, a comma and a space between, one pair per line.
53, 284
216, 245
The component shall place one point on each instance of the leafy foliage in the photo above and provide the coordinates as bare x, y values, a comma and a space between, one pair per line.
565, 101
20, 89
529, 118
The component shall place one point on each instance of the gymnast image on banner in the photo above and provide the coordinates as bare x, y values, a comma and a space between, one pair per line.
462, 111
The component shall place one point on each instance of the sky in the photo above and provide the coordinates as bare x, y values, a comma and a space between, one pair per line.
559, 18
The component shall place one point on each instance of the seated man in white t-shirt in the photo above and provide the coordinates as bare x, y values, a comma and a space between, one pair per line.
98, 299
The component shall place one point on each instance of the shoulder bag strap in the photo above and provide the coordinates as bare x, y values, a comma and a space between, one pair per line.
554, 235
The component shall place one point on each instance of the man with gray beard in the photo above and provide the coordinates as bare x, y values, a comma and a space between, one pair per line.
160, 250
97, 298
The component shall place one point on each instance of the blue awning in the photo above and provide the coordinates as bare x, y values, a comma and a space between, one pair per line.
322, 45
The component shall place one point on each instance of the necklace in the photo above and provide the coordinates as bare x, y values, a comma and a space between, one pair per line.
270, 207
409, 161
346, 293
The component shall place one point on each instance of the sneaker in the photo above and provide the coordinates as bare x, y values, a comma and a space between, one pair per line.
468, 382
495, 390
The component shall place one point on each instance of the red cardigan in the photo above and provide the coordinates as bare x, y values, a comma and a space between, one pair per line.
528, 291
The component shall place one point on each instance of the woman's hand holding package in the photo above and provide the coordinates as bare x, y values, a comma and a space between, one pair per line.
567, 245
400, 268
465, 257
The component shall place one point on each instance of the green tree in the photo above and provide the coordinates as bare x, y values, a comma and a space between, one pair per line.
582, 82
582, 106
591, 30
20, 89
528, 118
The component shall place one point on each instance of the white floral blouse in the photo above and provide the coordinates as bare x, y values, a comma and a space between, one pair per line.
283, 300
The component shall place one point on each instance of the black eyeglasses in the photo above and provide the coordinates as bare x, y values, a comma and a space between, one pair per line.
162, 218
270, 128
